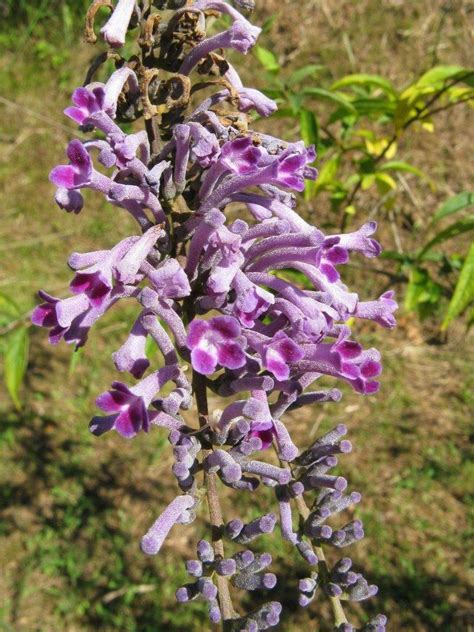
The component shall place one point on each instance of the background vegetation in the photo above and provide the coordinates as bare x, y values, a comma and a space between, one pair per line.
72, 507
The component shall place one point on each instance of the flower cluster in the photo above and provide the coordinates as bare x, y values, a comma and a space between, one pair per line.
256, 306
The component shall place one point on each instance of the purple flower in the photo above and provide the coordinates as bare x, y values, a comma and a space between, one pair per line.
86, 103
169, 280
69, 200
115, 29
215, 341
263, 430
44, 315
132, 355
227, 259
290, 170
240, 155
360, 241
251, 300
58, 315
175, 512
241, 36
128, 407
249, 98
380, 311
128, 410
78, 173
96, 285
279, 353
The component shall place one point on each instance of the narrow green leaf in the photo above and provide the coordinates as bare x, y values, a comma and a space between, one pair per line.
310, 134
267, 25
363, 79
375, 105
327, 174
454, 204
76, 357
309, 127
439, 74
15, 362
463, 292
400, 165
267, 59
8, 306
335, 97
304, 72
462, 226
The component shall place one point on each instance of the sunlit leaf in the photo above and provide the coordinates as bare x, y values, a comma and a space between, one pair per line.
267, 59
428, 126
378, 146
365, 80
440, 74
386, 180
464, 291
454, 204
400, 165
368, 181
309, 127
15, 362
327, 174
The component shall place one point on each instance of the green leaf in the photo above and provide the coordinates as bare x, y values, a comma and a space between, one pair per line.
9, 310
267, 59
400, 165
363, 79
327, 174
463, 292
454, 204
305, 71
8, 306
15, 362
376, 105
267, 25
422, 294
462, 226
310, 135
335, 97
309, 127
440, 74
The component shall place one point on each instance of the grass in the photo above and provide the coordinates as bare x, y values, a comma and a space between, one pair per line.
73, 507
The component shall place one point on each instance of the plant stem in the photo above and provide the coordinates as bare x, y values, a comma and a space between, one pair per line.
215, 511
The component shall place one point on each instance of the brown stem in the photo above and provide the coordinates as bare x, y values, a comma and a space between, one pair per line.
215, 511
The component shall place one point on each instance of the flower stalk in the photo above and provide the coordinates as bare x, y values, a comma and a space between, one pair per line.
252, 302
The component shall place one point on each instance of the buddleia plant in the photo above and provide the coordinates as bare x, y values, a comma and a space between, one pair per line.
241, 295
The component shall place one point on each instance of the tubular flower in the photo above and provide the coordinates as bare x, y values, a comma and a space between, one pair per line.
232, 286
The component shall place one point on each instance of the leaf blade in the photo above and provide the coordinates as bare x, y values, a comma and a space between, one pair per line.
464, 291
462, 226
363, 79
15, 362
456, 203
